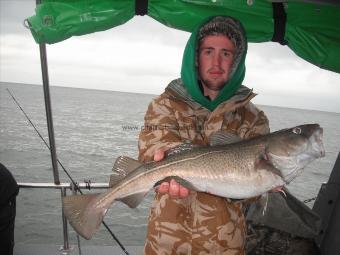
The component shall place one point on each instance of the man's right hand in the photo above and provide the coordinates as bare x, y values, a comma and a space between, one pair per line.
174, 189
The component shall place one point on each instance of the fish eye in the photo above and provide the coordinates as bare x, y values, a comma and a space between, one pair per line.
297, 130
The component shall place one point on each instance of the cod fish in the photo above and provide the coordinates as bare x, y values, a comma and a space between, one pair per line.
237, 170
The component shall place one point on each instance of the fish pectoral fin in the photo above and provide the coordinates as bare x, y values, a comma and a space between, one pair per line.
180, 181
133, 200
263, 164
84, 218
122, 167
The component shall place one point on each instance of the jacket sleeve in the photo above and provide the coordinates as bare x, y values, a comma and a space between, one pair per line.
160, 129
254, 122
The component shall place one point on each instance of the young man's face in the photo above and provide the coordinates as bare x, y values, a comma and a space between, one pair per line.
215, 57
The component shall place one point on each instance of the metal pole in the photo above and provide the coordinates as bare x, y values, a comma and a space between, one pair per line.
48, 108
66, 246
67, 185
44, 69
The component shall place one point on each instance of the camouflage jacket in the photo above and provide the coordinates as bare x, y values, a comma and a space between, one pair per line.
200, 223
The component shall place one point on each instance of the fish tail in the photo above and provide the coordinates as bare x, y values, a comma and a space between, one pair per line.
84, 213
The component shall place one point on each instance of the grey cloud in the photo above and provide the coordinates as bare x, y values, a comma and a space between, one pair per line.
271, 52
13, 13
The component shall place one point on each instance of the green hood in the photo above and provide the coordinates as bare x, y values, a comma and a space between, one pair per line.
189, 74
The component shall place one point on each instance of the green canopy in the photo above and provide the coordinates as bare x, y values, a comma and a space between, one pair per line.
310, 28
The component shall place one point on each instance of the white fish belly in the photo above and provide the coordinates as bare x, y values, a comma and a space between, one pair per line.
246, 187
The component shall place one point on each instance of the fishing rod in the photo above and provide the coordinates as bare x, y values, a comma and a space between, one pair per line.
75, 185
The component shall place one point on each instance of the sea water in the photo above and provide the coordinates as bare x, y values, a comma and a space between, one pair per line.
92, 128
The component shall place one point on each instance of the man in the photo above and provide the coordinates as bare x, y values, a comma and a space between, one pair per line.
9, 190
208, 98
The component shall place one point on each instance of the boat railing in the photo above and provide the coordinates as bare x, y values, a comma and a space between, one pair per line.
63, 187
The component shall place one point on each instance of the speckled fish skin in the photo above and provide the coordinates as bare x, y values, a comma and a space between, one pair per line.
239, 170
235, 170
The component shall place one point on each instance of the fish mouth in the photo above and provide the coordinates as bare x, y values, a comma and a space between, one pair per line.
317, 146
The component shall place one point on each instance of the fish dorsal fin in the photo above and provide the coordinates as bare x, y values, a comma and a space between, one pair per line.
223, 138
122, 167
133, 200
187, 146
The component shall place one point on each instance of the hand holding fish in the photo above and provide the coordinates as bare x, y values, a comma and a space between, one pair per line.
173, 188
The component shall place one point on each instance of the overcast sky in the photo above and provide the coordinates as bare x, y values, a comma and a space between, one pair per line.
143, 56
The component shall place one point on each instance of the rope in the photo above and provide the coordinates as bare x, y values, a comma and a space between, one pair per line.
309, 200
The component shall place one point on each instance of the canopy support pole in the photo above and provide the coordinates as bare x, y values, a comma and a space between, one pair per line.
48, 108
